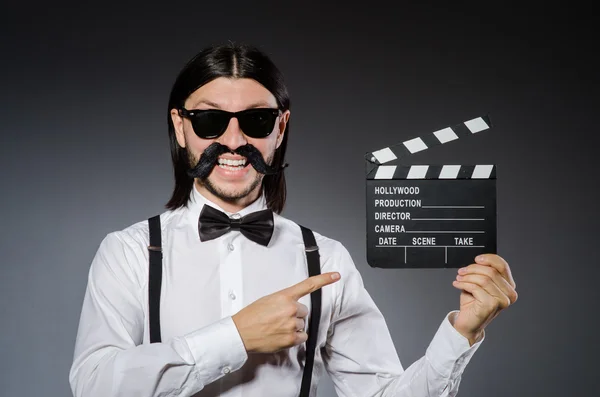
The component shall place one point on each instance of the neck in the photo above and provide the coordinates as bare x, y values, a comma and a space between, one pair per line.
232, 206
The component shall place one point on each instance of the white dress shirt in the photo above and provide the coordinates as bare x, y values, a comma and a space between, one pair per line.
202, 354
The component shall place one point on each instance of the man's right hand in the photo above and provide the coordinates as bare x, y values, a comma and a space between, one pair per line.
275, 322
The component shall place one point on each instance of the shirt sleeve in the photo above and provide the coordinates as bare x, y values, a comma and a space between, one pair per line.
110, 359
361, 358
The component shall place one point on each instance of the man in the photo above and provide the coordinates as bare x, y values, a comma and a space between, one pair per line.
234, 306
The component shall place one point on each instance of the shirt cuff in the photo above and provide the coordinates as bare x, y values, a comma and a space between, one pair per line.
449, 351
217, 349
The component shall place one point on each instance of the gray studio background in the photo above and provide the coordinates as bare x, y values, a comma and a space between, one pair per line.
84, 151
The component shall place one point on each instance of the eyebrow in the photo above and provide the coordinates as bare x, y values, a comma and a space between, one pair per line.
207, 102
259, 104
217, 106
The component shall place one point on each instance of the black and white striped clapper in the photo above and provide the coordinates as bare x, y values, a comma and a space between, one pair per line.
429, 216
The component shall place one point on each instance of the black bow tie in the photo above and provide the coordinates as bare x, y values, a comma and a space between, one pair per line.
256, 226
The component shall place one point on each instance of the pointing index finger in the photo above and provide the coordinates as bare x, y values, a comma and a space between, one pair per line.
311, 284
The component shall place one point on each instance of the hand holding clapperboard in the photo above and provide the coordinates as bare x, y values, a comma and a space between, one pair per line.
440, 216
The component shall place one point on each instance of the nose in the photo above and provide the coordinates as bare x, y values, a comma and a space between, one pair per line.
233, 137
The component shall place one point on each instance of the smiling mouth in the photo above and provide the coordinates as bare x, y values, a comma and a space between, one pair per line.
232, 165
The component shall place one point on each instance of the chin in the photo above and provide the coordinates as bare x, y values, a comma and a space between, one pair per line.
231, 191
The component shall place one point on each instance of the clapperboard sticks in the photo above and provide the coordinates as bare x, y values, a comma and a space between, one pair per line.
412, 196
440, 137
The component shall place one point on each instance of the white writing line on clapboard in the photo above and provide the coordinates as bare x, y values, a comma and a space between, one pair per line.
448, 219
453, 206
430, 246
443, 231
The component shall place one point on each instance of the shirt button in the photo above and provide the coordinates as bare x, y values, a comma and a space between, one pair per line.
232, 295
230, 247
226, 370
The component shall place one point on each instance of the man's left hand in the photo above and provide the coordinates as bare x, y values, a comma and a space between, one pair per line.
487, 287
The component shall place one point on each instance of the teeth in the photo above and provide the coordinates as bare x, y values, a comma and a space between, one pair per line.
233, 163
226, 167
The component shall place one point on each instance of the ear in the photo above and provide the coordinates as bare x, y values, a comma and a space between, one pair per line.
283, 120
178, 124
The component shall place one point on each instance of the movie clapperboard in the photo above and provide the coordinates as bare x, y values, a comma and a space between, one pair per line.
429, 216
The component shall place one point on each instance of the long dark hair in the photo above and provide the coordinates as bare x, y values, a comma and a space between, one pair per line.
232, 61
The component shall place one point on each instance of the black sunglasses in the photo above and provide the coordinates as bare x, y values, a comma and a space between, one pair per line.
212, 123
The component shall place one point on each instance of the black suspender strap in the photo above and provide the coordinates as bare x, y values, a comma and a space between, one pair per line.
154, 278
314, 268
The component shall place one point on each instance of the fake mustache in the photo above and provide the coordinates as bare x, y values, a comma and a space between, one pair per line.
210, 157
